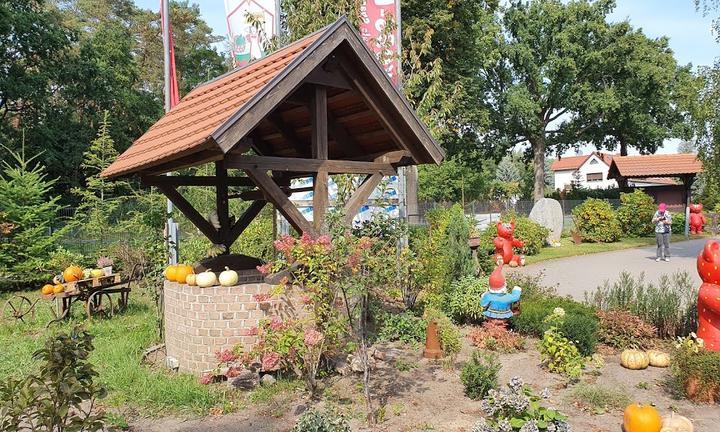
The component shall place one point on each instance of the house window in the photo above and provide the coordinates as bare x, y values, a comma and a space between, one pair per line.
593, 177
593, 162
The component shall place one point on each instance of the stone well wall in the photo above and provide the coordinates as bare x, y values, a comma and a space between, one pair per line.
201, 321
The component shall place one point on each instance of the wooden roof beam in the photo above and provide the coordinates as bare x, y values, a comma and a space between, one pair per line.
183, 180
360, 196
287, 132
189, 211
269, 163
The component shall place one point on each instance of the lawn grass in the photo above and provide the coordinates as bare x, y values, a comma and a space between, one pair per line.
119, 344
598, 398
568, 248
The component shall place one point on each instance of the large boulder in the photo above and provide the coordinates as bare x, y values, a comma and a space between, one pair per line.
548, 213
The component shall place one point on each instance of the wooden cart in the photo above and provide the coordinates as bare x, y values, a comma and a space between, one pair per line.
96, 294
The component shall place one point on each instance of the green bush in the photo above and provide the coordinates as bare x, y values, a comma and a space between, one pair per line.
313, 420
461, 301
596, 221
670, 306
621, 329
480, 375
560, 354
403, 326
678, 222
449, 334
580, 324
635, 213
530, 232
699, 365
583, 194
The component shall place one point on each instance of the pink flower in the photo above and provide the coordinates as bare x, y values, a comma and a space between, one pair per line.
284, 244
354, 261
312, 337
226, 356
265, 268
276, 323
306, 240
232, 372
365, 243
325, 241
262, 297
252, 331
206, 378
306, 300
270, 361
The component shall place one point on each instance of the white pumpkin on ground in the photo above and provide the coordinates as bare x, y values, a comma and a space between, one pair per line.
228, 277
190, 279
206, 279
676, 423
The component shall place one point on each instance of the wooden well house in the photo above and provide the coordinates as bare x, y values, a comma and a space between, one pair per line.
320, 106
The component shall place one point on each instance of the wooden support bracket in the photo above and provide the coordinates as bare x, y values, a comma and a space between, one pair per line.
189, 211
360, 196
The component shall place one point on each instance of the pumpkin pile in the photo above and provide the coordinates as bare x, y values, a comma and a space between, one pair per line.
178, 272
637, 359
73, 273
645, 418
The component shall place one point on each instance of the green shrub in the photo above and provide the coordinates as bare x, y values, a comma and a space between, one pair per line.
313, 420
61, 258
692, 363
635, 213
449, 334
530, 232
559, 353
621, 329
403, 326
531, 285
462, 300
670, 305
479, 375
580, 324
678, 222
596, 221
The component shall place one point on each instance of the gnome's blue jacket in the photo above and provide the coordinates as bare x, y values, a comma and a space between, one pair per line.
498, 305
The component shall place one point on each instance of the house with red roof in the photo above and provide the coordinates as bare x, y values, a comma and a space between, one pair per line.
584, 171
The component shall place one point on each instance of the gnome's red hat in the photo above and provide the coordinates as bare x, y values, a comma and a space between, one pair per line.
497, 279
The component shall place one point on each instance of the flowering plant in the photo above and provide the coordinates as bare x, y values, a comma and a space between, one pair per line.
517, 408
690, 343
104, 261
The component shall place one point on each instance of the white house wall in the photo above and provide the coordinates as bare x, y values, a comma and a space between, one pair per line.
566, 177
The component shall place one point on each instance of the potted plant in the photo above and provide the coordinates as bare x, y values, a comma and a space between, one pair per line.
106, 264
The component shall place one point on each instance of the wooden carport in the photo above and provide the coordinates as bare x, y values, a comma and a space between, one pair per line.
320, 106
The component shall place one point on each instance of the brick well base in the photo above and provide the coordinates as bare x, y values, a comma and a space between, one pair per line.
200, 321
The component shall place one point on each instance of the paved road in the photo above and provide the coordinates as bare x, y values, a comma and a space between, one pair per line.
575, 275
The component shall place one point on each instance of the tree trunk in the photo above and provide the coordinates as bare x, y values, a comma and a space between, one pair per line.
623, 147
538, 148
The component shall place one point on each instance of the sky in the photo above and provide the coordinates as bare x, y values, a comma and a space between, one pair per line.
690, 33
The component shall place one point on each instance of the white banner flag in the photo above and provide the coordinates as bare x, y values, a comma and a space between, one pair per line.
245, 39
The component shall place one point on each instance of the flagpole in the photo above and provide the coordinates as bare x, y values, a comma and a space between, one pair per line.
171, 232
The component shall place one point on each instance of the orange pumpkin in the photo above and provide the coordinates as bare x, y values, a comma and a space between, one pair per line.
47, 289
182, 271
170, 272
72, 273
641, 418
57, 289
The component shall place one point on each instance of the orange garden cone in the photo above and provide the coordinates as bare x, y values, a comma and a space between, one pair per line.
432, 342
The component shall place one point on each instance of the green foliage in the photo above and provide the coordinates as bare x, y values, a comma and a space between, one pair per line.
582, 194
530, 232
60, 259
461, 301
559, 354
596, 221
455, 180
599, 398
518, 408
449, 334
479, 375
699, 365
403, 326
635, 213
29, 209
457, 252
670, 306
61, 395
579, 325
194, 249
621, 329
678, 223
314, 420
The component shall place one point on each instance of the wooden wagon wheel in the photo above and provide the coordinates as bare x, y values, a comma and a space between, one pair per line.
17, 307
123, 300
99, 303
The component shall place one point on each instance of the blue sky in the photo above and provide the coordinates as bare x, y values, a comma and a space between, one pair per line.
690, 33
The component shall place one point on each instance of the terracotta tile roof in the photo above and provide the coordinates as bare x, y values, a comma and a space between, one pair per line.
191, 122
655, 165
575, 162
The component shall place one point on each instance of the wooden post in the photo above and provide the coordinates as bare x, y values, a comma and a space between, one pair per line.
223, 208
319, 134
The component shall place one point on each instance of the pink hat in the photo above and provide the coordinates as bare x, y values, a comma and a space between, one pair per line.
497, 280
662, 207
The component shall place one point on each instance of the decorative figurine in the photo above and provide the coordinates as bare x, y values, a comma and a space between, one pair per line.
497, 302
697, 219
708, 266
504, 243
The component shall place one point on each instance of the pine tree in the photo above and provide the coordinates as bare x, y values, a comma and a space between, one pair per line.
27, 211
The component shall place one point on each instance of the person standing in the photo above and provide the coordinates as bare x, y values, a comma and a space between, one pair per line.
663, 226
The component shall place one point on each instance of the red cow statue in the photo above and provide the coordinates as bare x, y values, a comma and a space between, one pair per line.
504, 243
697, 219
708, 266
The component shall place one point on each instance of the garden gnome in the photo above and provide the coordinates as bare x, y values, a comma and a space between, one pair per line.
497, 302
708, 266
504, 243
697, 219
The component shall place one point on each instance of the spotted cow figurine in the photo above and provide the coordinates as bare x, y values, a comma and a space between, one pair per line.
697, 219
504, 244
708, 266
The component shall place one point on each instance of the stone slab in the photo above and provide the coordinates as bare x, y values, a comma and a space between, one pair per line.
548, 213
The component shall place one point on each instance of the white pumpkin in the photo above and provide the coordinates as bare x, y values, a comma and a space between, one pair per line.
190, 279
206, 279
228, 277
676, 423
658, 358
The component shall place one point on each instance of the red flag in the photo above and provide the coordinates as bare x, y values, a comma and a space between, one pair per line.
174, 92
